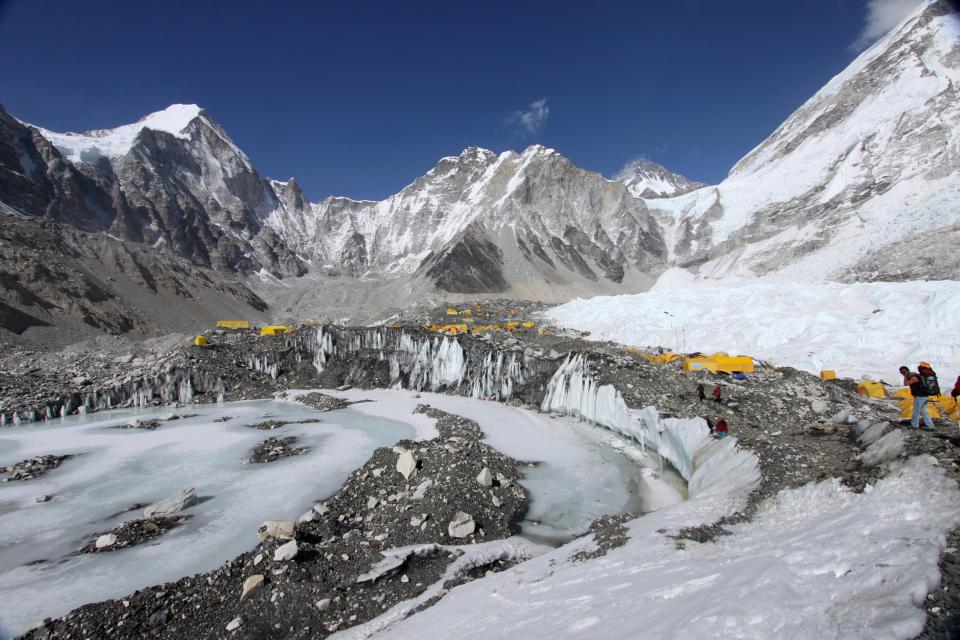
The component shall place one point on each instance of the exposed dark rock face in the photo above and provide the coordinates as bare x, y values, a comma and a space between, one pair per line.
473, 264
78, 283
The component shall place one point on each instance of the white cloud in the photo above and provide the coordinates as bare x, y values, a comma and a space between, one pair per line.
530, 120
883, 15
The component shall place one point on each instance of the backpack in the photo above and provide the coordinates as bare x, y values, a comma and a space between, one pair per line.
929, 379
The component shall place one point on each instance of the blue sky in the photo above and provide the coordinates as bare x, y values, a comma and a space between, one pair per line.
359, 98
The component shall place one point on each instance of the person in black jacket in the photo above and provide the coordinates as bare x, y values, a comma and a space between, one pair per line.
920, 398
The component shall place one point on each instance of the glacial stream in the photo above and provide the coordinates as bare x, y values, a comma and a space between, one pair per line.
580, 473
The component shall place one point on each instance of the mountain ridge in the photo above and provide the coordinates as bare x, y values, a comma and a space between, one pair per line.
823, 197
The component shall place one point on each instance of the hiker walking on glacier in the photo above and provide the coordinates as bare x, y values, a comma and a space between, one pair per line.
717, 393
921, 395
700, 393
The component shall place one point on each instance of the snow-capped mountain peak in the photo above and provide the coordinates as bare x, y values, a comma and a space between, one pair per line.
859, 183
647, 179
89, 146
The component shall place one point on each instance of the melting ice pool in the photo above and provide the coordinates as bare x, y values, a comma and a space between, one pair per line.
583, 473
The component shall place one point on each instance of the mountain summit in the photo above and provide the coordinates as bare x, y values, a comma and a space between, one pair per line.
647, 179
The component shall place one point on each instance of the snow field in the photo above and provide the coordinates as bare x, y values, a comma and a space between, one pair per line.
856, 329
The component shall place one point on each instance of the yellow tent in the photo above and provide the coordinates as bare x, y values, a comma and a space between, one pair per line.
872, 389
519, 326
452, 311
233, 324
905, 403
484, 328
947, 404
828, 374
718, 364
454, 329
275, 330
200, 341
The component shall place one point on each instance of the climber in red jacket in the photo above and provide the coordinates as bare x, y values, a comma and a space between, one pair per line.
721, 428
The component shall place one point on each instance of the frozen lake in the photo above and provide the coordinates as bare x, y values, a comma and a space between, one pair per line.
583, 473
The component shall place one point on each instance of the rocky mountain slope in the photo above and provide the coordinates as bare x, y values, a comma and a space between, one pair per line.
59, 285
864, 173
483, 222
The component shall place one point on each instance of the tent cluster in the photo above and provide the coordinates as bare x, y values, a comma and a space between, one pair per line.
938, 406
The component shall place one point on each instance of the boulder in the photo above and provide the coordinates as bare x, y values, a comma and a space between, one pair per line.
421, 489
168, 506
279, 529
840, 417
286, 552
406, 464
819, 406
485, 478
250, 584
462, 525
106, 540
233, 625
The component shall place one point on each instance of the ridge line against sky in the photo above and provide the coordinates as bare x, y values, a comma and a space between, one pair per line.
360, 100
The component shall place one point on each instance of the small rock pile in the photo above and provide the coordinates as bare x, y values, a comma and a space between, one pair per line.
132, 533
32, 467
270, 425
273, 449
322, 401
148, 425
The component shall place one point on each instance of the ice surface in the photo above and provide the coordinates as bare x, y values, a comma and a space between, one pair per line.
820, 562
119, 468
855, 329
